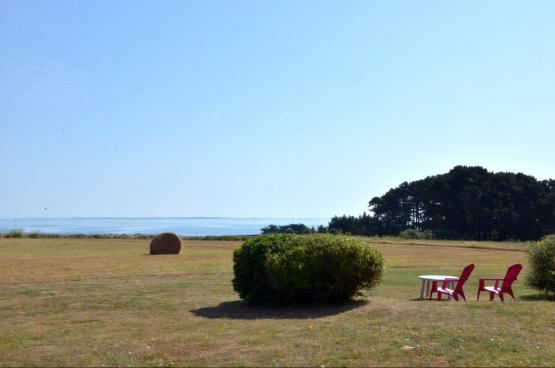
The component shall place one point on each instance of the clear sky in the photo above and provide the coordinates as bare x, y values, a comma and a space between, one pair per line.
264, 108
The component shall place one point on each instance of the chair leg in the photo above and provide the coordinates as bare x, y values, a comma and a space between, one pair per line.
491, 296
432, 289
462, 294
501, 297
478, 298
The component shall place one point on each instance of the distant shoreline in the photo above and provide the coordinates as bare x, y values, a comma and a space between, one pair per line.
160, 218
18, 234
148, 226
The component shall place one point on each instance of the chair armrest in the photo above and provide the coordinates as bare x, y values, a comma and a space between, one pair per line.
483, 281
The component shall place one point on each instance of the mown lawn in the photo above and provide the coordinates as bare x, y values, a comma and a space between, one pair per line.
69, 302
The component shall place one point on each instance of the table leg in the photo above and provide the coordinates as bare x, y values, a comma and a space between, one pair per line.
428, 287
422, 289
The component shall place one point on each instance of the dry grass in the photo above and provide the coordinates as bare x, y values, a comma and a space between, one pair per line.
86, 302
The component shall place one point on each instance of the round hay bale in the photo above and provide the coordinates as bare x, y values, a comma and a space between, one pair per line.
165, 243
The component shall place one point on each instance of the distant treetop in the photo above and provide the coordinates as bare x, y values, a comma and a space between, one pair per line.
468, 202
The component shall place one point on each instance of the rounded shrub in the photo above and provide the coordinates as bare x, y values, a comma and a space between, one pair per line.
288, 268
415, 234
542, 264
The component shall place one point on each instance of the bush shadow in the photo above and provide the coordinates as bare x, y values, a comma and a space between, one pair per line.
241, 310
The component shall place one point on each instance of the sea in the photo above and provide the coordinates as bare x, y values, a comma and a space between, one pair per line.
186, 226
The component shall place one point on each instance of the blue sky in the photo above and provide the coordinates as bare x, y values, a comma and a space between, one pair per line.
264, 108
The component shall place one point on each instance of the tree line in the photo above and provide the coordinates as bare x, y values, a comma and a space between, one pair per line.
293, 229
465, 203
468, 202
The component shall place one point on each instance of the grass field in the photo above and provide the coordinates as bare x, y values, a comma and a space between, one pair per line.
84, 302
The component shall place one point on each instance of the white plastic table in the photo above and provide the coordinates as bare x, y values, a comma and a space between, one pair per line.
427, 282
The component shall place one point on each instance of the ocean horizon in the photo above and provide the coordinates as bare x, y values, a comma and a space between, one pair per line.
186, 226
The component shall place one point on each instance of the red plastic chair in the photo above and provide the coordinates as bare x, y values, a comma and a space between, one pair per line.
506, 286
458, 290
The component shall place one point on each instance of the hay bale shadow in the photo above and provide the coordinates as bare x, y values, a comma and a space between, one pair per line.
241, 310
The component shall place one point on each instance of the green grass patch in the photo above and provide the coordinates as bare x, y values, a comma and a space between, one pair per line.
89, 302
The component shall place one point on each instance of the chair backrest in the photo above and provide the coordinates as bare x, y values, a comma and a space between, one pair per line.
511, 276
464, 276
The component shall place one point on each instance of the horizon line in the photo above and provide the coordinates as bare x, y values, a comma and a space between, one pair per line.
161, 217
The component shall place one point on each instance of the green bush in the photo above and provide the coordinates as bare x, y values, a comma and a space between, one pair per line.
14, 233
289, 268
542, 264
34, 234
288, 229
415, 234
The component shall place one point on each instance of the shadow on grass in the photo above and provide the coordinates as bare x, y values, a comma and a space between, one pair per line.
538, 297
434, 300
241, 310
